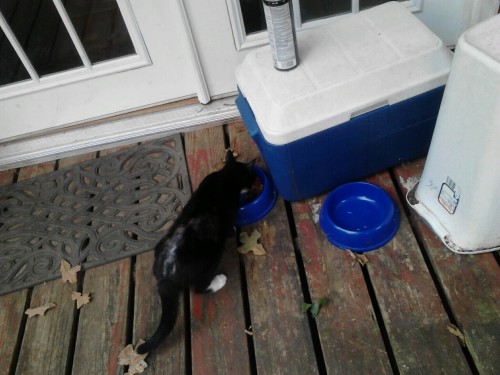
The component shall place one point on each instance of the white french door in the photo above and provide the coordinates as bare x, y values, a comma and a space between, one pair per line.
232, 27
63, 62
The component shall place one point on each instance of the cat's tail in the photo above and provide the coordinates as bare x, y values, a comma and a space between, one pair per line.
169, 294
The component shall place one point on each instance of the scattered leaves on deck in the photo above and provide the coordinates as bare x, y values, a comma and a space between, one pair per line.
454, 330
41, 310
314, 307
81, 299
250, 243
134, 361
68, 273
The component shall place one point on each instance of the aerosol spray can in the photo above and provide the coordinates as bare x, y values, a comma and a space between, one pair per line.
281, 29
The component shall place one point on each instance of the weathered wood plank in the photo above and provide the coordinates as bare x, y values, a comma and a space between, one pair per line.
114, 325
107, 314
218, 341
243, 144
281, 330
470, 283
50, 341
414, 316
11, 309
282, 338
36, 170
11, 319
46, 342
350, 337
218, 338
102, 323
7, 177
170, 357
204, 153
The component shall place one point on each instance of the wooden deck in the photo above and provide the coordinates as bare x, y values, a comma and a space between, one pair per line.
390, 316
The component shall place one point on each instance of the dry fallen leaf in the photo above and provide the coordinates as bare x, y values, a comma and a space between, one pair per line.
454, 330
39, 310
249, 243
134, 361
249, 331
81, 299
360, 258
68, 273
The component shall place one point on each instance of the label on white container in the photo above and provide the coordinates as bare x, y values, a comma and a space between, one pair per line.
281, 34
449, 196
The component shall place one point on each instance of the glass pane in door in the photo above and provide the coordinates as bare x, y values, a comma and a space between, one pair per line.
45, 40
253, 16
254, 20
364, 4
11, 68
42, 34
315, 9
101, 29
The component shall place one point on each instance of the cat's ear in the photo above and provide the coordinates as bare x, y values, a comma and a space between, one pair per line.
229, 155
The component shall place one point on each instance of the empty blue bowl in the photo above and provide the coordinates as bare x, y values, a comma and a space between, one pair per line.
255, 209
359, 216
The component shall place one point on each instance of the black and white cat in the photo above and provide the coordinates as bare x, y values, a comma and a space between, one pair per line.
189, 254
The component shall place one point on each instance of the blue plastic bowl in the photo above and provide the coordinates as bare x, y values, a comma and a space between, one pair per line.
254, 210
359, 216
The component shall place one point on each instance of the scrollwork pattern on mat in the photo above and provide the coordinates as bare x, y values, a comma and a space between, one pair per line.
91, 213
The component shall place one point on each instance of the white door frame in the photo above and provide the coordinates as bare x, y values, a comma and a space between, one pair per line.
243, 41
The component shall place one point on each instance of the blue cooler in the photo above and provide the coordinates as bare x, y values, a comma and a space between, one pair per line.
365, 97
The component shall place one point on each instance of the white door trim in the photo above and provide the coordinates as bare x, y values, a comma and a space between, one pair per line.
114, 133
201, 83
243, 41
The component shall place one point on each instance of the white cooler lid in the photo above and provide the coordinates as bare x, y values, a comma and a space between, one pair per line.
363, 61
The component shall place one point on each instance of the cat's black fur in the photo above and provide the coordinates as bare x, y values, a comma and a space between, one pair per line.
189, 254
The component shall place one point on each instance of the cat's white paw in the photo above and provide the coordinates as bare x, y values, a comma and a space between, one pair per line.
217, 283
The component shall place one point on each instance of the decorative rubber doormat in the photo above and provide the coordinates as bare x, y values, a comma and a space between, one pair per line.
91, 213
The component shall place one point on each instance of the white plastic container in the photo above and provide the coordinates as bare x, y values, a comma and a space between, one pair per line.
458, 193
364, 97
